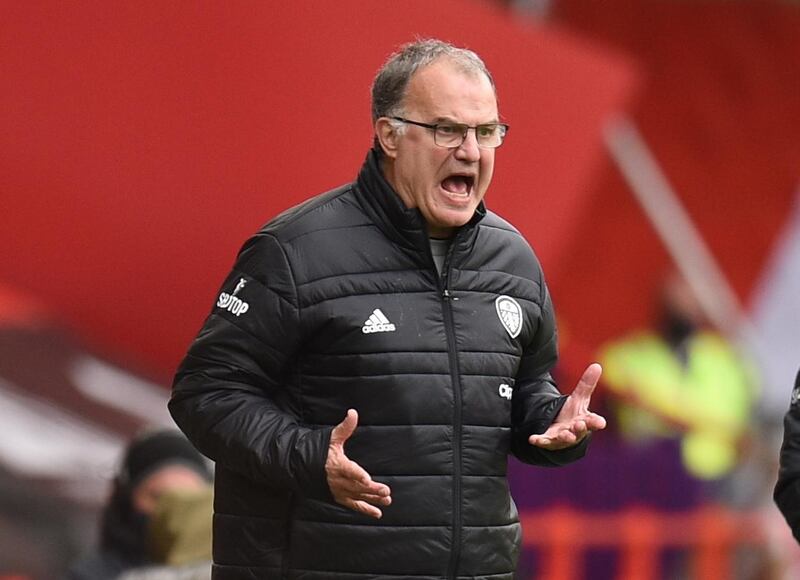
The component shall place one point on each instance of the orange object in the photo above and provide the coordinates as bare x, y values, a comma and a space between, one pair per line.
710, 534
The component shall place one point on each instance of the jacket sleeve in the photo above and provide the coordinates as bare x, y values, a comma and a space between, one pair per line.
230, 393
787, 489
536, 400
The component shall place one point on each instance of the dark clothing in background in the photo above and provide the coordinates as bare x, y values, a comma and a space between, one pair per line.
123, 540
100, 566
337, 304
787, 490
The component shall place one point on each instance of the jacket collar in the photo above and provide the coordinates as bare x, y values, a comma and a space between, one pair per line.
401, 224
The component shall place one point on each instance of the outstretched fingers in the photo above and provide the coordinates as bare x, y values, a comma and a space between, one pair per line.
574, 421
350, 484
357, 481
595, 422
365, 508
554, 439
354, 488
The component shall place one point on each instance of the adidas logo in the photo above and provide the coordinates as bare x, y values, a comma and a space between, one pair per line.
377, 322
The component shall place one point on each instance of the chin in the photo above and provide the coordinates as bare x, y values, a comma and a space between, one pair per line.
455, 221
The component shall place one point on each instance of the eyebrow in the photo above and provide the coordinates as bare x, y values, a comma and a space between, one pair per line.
451, 120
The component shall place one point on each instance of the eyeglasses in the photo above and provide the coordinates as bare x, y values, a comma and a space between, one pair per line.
452, 135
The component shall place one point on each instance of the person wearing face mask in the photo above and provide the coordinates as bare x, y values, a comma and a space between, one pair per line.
378, 351
685, 382
156, 462
179, 538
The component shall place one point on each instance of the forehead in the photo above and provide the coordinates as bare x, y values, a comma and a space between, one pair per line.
444, 90
170, 476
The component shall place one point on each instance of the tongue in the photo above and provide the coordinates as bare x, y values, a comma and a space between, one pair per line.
455, 184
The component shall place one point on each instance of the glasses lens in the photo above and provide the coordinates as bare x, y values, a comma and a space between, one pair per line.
449, 134
490, 135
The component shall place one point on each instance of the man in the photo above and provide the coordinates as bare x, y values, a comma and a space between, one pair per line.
668, 381
156, 463
787, 490
401, 304
179, 538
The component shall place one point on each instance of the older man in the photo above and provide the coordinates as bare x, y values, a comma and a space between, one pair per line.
399, 303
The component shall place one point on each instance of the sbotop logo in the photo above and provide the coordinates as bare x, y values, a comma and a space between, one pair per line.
231, 302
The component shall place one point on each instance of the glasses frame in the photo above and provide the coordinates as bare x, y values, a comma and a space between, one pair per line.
464, 126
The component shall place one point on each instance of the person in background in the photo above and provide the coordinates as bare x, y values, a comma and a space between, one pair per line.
787, 488
377, 353
683, 382
179, 537
156, 461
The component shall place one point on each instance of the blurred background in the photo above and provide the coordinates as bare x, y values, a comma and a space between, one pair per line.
653, 162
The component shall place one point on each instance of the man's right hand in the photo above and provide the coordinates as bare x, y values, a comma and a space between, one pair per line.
350, 484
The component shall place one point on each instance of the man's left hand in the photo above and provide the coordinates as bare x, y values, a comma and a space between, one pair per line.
574, 421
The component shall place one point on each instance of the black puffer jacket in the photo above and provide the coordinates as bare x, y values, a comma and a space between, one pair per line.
337, 304
787, 489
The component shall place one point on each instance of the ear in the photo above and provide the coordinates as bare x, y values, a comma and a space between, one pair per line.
387, 135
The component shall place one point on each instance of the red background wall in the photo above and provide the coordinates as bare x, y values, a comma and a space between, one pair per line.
142, 142
719, 108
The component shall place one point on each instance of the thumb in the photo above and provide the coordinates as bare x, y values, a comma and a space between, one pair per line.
588, 382
345, 429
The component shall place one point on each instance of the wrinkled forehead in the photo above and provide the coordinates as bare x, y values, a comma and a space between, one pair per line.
447, 89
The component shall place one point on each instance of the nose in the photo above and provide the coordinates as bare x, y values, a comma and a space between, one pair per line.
469, 150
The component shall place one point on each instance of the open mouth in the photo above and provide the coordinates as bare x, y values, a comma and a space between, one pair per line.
458, 184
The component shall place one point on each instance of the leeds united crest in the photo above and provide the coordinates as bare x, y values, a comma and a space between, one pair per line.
510, 314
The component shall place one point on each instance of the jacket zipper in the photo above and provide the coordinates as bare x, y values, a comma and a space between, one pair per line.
447, 309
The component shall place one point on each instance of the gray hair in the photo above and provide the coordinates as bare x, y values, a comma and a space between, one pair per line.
389, 86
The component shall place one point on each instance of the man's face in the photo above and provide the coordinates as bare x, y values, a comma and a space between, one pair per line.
445, 184
168, 478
